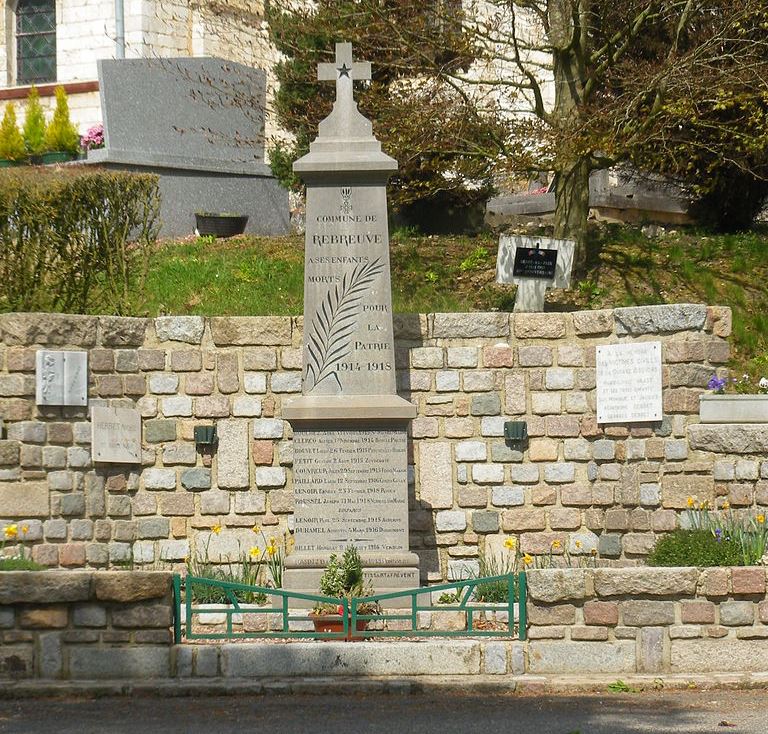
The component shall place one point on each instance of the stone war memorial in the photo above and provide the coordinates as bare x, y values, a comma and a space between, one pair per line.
349, 425
136, 453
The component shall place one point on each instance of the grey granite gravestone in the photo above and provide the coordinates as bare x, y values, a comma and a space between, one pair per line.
61, 378
349, 426
532, 287
199, 124
116, 435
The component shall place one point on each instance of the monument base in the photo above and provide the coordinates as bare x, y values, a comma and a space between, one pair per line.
386, 573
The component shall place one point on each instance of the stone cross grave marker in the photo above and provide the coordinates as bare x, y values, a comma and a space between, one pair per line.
61, 378
529, 262
116, 435
629, 383
350, 475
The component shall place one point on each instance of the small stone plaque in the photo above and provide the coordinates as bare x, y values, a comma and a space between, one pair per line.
534, 263
116, 435
62, 378
629, 383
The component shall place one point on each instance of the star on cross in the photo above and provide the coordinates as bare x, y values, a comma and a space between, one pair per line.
344, 71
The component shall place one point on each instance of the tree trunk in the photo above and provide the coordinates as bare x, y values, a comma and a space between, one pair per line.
570, 39
572, 208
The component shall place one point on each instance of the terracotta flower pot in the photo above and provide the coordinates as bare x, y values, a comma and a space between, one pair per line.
335, 623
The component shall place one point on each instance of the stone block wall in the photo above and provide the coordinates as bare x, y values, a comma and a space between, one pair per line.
647, 620
610, 488
85, 625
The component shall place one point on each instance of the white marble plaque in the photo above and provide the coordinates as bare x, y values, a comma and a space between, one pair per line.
116, 435
62, 378
629, 383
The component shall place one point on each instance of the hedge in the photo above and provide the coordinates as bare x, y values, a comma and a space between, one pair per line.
75, 239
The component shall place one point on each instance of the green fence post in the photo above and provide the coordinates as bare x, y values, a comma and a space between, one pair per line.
177, 609
522, 600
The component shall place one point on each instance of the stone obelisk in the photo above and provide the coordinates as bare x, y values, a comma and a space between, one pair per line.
349, 426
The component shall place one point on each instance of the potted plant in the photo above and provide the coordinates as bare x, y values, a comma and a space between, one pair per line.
62, 141
93, 138
34, 126
745, 402
12, 150
343, 579
220, 224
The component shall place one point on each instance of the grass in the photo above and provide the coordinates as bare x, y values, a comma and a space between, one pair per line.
264, 276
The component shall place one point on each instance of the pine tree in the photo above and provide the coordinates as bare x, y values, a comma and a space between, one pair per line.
11, 142
61, 134
34, 124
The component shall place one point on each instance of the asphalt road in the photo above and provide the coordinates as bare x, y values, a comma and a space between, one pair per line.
683, 712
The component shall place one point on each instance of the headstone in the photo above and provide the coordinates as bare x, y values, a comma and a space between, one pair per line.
61, 378
199, 124
534, 264
349, 425
629, 383
116, 435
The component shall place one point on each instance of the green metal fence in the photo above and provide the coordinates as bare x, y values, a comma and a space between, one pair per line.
238, 611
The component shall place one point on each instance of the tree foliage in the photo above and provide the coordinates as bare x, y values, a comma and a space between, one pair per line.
493, 87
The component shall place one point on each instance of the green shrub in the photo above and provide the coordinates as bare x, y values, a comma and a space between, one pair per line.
11, 142
74, 239
34, 124
695, 548
61, 134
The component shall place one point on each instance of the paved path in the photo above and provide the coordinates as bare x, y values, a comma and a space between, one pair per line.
683, 712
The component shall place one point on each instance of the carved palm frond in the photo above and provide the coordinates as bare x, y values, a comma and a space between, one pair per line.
334, 322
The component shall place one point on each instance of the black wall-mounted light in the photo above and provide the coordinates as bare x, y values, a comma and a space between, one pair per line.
516, 433
206, 436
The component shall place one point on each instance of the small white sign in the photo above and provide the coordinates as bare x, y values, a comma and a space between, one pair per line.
62, 378
532, 291
629, 383
116, 435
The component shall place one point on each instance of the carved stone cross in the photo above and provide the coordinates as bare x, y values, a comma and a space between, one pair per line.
344, 71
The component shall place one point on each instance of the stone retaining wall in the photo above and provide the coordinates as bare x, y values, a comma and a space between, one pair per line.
85, 625
647, 620
610, 488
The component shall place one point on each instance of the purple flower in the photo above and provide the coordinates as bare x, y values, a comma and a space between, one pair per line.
94, 138
716, 384
718, 535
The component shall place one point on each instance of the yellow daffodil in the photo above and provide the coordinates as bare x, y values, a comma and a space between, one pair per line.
272, 547
11, 531
556, 544
577, 543
24, 529
254, 552
527, 560
761, 518
216, 529
691, 502
726, 505
256, 529
510, 543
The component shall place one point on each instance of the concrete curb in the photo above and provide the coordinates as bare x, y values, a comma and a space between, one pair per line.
479, 685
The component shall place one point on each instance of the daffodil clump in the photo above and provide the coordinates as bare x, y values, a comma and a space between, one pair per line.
720, 537
15, 535
260, 566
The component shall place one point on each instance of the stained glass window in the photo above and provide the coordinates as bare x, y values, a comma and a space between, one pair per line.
35, 41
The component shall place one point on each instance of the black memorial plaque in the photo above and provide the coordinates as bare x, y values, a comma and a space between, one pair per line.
533, 262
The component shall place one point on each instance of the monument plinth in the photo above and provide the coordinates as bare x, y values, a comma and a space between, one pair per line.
350, 426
